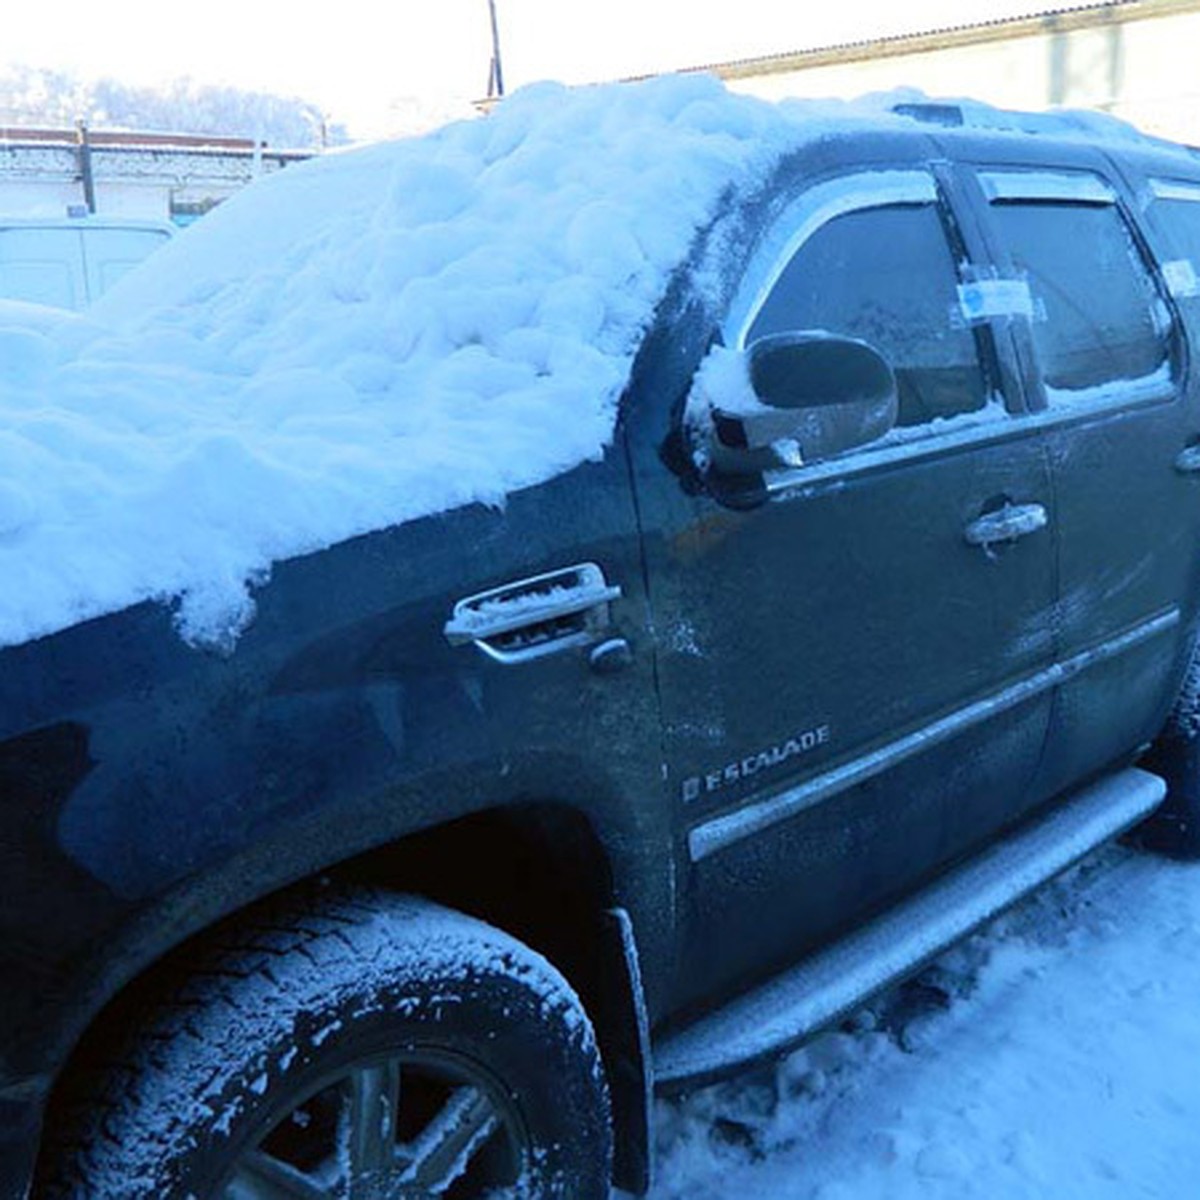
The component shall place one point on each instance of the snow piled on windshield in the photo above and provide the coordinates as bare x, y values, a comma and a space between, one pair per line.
360, 340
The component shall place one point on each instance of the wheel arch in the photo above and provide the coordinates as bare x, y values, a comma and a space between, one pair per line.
540, 871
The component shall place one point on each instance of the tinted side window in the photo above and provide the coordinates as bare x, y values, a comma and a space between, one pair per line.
1182, 218
1098, 317
885, 275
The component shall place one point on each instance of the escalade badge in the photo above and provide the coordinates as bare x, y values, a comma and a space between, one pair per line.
752, 764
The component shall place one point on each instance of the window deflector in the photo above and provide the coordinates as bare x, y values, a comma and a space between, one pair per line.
1015, 185
1180, 275
1174, 189
816, 207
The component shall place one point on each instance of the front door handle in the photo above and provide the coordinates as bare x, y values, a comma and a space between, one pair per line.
1006, 524
532, 617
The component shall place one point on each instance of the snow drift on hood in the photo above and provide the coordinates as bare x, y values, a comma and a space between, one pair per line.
360, 340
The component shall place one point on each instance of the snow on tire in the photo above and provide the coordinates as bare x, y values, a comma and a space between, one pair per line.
377, 1046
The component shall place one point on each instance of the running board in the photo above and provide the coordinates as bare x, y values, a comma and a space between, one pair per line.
784, 1011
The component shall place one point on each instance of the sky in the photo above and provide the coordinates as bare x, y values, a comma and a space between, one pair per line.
377, 67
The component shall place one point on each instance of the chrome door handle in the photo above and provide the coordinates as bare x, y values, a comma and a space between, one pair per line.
1187, 461
1006, 525
532, 617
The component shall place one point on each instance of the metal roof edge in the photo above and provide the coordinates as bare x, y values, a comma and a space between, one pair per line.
1057, 20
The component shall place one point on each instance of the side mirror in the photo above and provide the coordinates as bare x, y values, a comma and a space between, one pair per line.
815, 396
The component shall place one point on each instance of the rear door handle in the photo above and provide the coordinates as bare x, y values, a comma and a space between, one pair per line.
1187, 461
1006, 524
532, 617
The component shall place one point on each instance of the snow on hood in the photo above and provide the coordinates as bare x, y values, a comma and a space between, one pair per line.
357, 341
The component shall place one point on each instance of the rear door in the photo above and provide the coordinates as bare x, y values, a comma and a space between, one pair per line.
1107, 356
42, 266
853, 679
110, 251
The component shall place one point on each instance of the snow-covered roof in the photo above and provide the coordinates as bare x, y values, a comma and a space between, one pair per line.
364, 339
355, 342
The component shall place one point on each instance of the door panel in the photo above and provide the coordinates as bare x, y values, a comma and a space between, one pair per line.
852, 628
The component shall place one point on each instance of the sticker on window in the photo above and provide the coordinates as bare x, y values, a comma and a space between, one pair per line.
985, 299
1181, 279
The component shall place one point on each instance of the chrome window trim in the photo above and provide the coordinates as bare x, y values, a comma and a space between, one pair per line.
1045, 185
807, 214
782, 484
719, 832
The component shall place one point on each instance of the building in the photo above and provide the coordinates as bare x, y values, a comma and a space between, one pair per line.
1135, 59
160, 176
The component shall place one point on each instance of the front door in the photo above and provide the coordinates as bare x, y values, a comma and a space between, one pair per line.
853, 674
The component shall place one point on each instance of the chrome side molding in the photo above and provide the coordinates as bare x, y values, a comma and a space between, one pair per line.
755, 816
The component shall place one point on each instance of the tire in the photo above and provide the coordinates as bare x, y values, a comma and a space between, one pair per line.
1174, 829
375, 1048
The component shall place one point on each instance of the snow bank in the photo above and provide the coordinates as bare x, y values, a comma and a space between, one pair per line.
355, 342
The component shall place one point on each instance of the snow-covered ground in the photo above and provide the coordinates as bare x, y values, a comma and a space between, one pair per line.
1054, 1055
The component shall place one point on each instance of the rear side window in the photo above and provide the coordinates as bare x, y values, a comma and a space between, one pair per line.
885, 275
1098, 319
1177, 207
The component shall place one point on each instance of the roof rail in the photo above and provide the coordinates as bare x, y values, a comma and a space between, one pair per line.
932, 113
1067, 122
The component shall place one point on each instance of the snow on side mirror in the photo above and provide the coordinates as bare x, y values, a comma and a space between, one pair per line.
796, 398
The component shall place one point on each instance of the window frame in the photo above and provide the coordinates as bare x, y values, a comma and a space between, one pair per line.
1178, 191
1013, 183
820, 203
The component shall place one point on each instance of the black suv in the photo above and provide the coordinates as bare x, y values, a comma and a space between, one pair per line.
497, 819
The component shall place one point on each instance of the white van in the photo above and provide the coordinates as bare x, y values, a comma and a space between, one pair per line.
68, 262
